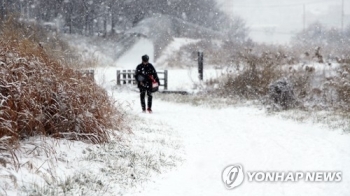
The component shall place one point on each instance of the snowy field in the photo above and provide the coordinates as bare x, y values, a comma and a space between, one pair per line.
180, 149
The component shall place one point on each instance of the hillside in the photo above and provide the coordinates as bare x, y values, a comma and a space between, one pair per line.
161, 30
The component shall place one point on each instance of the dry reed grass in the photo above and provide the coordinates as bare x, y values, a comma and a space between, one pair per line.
254, 80
39, 95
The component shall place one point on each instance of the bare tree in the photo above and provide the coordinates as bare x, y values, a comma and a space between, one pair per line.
94, 16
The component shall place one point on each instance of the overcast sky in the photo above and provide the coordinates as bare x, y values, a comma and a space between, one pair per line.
275, 21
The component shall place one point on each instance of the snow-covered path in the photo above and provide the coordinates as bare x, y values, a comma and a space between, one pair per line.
216, 138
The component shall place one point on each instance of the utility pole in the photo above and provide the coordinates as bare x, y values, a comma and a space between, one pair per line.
342, 16
304, 17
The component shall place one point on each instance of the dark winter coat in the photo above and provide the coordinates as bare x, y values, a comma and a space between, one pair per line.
142, 75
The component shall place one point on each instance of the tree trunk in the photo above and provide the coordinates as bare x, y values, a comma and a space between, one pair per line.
70, 19
113, 22
86, 22
91, 24
2, 9
105, 26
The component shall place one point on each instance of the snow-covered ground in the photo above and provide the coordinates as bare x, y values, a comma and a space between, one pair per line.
172, 49
215, 138
180, 149
133, 56
46, 166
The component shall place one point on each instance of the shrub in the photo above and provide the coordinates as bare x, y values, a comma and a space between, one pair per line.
281, 94
253, 81
41, 96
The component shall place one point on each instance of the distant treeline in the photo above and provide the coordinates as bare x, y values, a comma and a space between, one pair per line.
110, 16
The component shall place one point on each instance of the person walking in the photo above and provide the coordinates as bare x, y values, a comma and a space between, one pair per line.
145, 73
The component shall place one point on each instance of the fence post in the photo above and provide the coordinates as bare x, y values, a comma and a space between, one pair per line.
165, 79
124, 76
134, 76
129, 77
200, 65
118, 77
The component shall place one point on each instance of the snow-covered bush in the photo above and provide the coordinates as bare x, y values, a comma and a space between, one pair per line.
342, 86
281, 94
253, 79
338, 91
40, 95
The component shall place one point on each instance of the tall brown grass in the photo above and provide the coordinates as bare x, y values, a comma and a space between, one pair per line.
39, 95
253, 81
